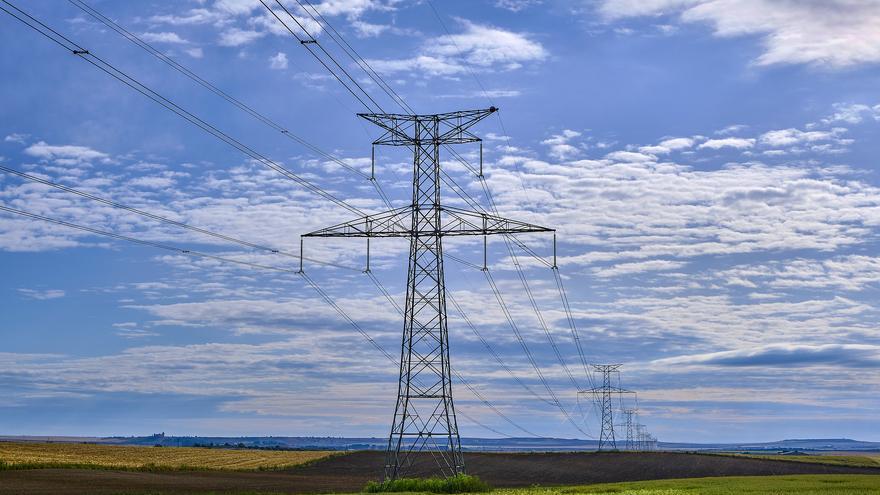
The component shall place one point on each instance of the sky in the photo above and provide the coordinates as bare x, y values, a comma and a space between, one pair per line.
709, 166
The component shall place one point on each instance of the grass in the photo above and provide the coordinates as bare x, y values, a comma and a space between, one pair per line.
867, 460
460, 483
15, 455
833, 484
842, 484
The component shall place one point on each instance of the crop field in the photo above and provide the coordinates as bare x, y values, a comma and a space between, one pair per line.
249, 471
860, 460
744, 485
60, 455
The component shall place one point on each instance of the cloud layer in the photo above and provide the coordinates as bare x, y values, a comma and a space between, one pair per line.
831, 34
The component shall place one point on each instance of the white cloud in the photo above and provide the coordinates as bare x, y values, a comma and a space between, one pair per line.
195, 52
638, 267
851, 273
788, 137
668, 146
153, 182
625, 213
731, 129
65, 153
16, 138
130, 330
236, 7
832, 33
737, 143
559, 144
241, 22
368, 30
163, 37
629, 207
419, 65
191, 17
516, 5
278, 61
479, 46
352, 8
786, 355
852, 113
237, 37
42, 295
630, 156
489, 93
486, 46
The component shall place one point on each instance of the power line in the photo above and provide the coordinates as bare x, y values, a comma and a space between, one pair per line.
158, 245
324, 295
223, 259
491, 350
168, 104
572, 326
459, 190
312, 41
354, 55
121, 76
329, 300
394, 361
508, 239
473, 74
469, 324
372, 74
165, 220
525, 348
449, 180
284, 131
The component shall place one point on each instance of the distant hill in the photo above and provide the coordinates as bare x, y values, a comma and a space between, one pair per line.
468, 443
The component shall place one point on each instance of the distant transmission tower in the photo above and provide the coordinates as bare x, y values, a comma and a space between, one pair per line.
603, 395
630, 428
424, 417
641, 437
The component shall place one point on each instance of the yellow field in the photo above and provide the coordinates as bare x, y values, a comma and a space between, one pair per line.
20, 455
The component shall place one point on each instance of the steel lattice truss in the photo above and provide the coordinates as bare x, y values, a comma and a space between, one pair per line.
630, 428
453, 222
604, 396
424, 417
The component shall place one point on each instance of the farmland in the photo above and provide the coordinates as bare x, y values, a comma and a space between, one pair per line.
863, 460
743, 485
61, 455
509, 473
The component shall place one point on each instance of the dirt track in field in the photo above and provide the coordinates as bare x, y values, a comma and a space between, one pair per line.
349, 473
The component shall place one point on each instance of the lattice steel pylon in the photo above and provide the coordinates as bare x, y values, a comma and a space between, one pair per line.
425, 411
630, 428
603, 395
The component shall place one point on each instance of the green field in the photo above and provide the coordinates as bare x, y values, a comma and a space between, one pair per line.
858, 460
846, 484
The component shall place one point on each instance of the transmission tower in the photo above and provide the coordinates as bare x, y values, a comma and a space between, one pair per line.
641, 437
630, 428
604, 397
424, 417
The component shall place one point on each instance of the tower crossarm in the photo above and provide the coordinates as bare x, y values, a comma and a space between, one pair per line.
597, 390
392, 223
400, 129
465, 222
453, 222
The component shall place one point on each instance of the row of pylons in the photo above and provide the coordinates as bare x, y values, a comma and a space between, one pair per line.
637, 436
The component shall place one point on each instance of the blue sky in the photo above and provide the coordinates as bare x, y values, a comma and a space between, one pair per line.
709, 165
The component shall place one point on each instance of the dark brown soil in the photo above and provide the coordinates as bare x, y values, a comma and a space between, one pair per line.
349, 473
